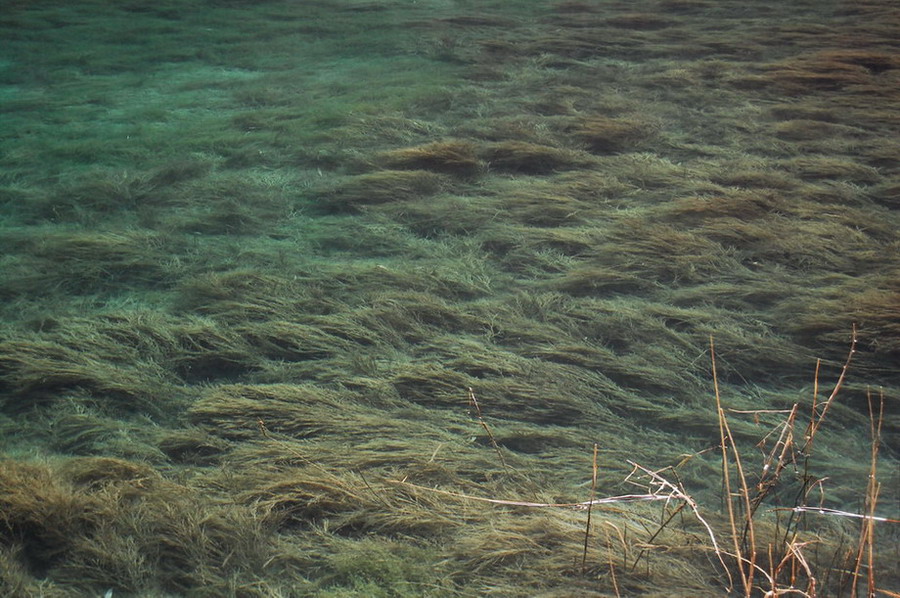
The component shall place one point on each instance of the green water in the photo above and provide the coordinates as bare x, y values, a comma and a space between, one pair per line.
256, 260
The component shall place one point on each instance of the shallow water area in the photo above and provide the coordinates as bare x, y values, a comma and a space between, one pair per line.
371, 298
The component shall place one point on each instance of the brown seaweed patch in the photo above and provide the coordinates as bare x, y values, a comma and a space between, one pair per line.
754, 178
192, 445
82, 433
838, 169
531, 158
84, 262
196, 348
809, 130
448, 157
875, 310
95, 472
650, 171
596, 188
588, 281
477, 20
883, 155
474, 358
612, 135
431, 384
206, 351
626, 371
124, 359
744, 205
641, 21
887, 194
381, 187
663, 253
240, 296
873, 61
572, 45
540, 208
46, 510
99, 522
99, 191
497, 48
36, 371
443, 215
376, 131
568, 240
290, 341
675, 78
539, 401
804, 112
530, 538
307, 496
536, 441
797, 244
180, 170
878, 312
227, 202
683, 6
235, 411
414, 316
825, 71
574, 6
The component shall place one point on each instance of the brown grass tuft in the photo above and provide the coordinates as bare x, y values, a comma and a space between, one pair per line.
456, 158
612, 135
839, 169
588, 281
539, 207
381, 187
574, 6
808, 130
531, 158
827, 70
50, 511
237, 411
642, 21
39, 371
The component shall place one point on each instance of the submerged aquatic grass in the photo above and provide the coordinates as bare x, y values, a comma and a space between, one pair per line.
257, 258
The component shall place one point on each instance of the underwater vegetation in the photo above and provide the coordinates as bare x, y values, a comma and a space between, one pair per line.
348, 298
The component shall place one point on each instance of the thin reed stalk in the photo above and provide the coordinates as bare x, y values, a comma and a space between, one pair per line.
865, 547
587, 527
746, 566
473, 401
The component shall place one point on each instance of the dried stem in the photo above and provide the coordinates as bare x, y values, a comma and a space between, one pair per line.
587, 527
746, 566
474, 402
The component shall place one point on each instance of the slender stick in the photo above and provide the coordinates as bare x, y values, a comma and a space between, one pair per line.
474, 402
587, 527
521, 503
874, 485
816, 420
865, 549
726, 475
612, 565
